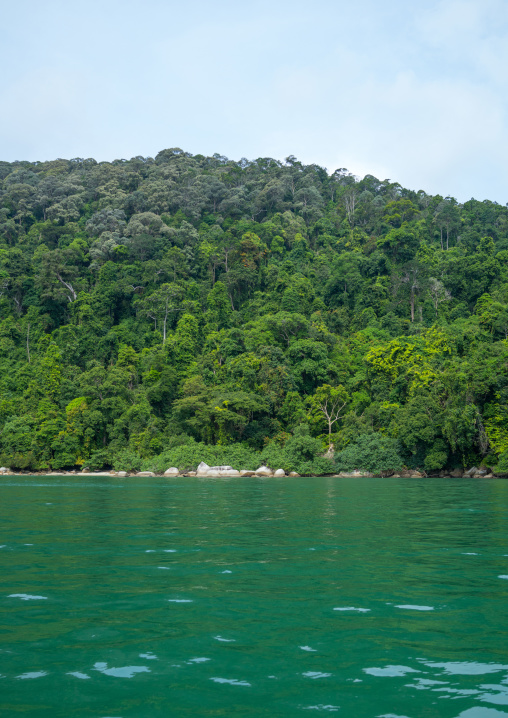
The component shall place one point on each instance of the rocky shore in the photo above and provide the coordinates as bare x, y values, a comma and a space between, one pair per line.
203, 470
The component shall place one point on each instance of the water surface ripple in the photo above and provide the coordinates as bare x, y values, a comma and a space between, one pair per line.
369, 598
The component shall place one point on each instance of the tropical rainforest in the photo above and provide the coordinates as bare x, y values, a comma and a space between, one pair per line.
163, 311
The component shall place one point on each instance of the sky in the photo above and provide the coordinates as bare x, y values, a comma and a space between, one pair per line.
412, 92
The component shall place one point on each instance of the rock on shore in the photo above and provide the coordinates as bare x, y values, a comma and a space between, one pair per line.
205, 470
354, 475
263, 471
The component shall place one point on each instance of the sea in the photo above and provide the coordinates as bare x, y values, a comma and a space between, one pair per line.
150, 597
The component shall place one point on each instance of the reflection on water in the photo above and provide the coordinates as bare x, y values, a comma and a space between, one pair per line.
124, 672
358, 596
391, 671
409, 607
231, 681
331, 709
481, 713
32, 674
471, 668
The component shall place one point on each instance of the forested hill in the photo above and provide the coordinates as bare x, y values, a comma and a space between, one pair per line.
148, 305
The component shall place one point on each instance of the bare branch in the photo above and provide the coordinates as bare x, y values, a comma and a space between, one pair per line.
72, 296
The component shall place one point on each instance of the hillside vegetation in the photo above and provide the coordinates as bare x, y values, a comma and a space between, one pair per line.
189, 308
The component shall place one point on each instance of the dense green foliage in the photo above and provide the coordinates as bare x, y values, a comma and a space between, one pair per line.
187, 308
370, 452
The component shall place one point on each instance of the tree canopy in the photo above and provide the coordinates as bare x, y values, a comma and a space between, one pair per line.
261, 306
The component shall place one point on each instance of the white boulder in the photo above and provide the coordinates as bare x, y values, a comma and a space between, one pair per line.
246, 473
355, 475
221, 471
145, 473
279, 472
205, 470
172, 471
294, 474
121, 474
264, 471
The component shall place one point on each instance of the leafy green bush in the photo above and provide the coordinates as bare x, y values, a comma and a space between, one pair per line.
188, 456
502, 465
100, 459
19, 460
63, 460
370, 452
316, 467
300, 453
127, 460
437, 456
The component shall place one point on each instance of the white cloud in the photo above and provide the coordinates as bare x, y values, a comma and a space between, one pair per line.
471, 36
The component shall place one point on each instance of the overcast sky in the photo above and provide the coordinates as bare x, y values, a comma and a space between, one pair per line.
414, 92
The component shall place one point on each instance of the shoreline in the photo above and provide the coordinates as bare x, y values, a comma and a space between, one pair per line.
252, 474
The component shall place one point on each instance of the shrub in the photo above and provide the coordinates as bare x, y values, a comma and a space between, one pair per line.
188, 456
99, 460
370, 452
126, 460
300, 453
502, 465
437, 456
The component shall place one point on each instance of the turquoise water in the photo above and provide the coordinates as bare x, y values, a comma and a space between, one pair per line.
126, 598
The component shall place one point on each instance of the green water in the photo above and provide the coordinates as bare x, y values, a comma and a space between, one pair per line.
134, 598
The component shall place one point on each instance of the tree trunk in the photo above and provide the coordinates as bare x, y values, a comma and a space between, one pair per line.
72, 296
